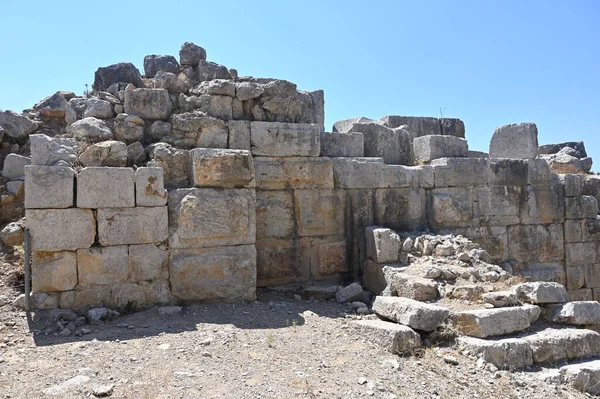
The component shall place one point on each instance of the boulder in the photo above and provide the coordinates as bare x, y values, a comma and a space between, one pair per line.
191, 54
577, 146
207, 70
50, 151
352, 292
383, 245
155, 63
566, 161
90, 129
97, 108
14, 166
506, 354
53, 106
518, 141
428, 148
106, 153
75, 109
129, 128
173, 83
12, 234
16, 125
541, 292
159, 130
490, 322
411, 313
576, 313
49, 186
148, 103
396, 338
245, 91
222, 168
124, 72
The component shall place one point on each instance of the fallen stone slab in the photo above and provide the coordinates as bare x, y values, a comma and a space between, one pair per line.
396, 338
584, 377
321, 291
411, 313
353, 292
500, 299
408, 286
14, 166
506, 354
48, 151
541, 292
553, 345
490, 322
577, 313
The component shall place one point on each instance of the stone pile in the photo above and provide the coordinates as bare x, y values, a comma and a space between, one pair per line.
566, 157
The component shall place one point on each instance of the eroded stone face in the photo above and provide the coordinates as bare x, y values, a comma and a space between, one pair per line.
149, 187
279, 139
54, 271
61, 229
139, 225
103, 265
148, 103
222, 168
100, 187
49, 186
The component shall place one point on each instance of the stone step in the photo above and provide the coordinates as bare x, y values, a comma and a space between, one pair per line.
492, 322
396, 338
583, 376
411, 313
576, 313
541, 292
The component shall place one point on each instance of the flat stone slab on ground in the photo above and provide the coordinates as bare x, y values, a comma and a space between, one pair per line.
411, 313
508, 353
353, 292
491, 322
396, 338
553, 345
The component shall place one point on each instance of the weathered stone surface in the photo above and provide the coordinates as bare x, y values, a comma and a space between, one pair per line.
90, 129
490, 322
124, 72
577, 313
53, 106
99, 187
413, 287
575, 277
97, 108
357, 172
274, 214
509, 353
582, 294
75, 109
49, 151
541, 292
219, 87
208, 217
393, 145
222, 168
245, 91
551, 346
159, 130
149, 187
147, 262
573, 184
54, 271
580, 253
508, 172
539, 172
154, 63
578, 146
496, 205
16, 125
191, 130
173, 83
533, 311
566, 161
139, 225
293, 173
393, 337
396, 176
400, 208
148, 103
345, 125
129, 128
208, 70
214, 274
61, 229
428, 148
107, 153
584, 207
459, 172
12, 234
543, 205
239, 135
453, 207
584, 377
175, 163
49, 186
383, 245
136, 154
325, 256
592, 275
374, 276
414, 314
102, 265
14, 166
419, 126
500, 299
515, 141
536, 243
545, 271
318, 212
279, 262
342, 144
284, 139
191, 54
352, 292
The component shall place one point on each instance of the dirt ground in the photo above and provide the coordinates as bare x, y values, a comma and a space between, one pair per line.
275, 347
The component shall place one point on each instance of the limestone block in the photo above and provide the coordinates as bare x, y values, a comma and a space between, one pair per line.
396, 176
217, 274
359, 214
98, 108
590, 229
592, 275
60, 229
428, 148
208, 217
350, 293
425, 176
591, 186
542, 205
90, 129
584, 207
451, 207
506, 354
149, 187
342, 144
129, 128
318, 212
176, 164
459, 172
274, 214
573, 230
101, 187
102, 265
400, 208
127, 295
279, 262
345, 125
536, 243
222, 168
575, 277
148, 103
278, 139
239, 135
491, 322
49, 186
107, 153
576, 313
53, 271
14, 166
325, 256
498, 205
50, 150
220, 107
573, 184
500, 299
16, 125
419, 126
147, 262
140, 225
515, 141
393, 145
414, 314
374, 277
545, 271
383, 245
541, 292
582, 294
293, 173
357, 172
12, 234
539, 172
193, 129
584, 377
159, 130
552, 346
395, 338
580, 253
407, 286
508, 172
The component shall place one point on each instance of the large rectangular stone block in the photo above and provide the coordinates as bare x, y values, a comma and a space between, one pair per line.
393, 145
319, 212
222, 168
357, 172
214, 274
175, 162
149, 187
518, 140
140, 225
459, 172
539, 172
573, 230
147, 262
592, 275
544, 271
60, 229
53, 271
325, 256
104, 187
451, 207
239, 135
148, 103
49, 186
573, 184
351, 144
498, 206
278, 139
209, 217
279, 261
293, 173
274, 214
580, 253
428, 148
417, 126
584, 207
103, 265
400, 208
536, 243
508, 172
542, 205
397, 176
575, 277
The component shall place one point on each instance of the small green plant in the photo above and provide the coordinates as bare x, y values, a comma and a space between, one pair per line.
270, 340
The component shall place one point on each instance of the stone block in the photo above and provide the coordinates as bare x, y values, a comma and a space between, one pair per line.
148, 262
552, 346
319, 212
293, 173
592, 275
591, 186
539, 172
536, 243
53, 271
590, 229
576, 313
274, 214
490, 322
359, 214
459, 172
413, 287
50, 150
373, 276
102, 265
326, 256
505, 354
428, 148
584, 377
383, 245
425, 175
49, 186
222, 168
279, 261
14, 166
414, 314
99, 187
508, 172
515, 141
397, 176
351, 144
451, 207
573, 185
148, 103
395, 338
419, 126
239, 135
575, 277
400, 208
176, 164
106, 153
149, 187
541, 292
500, 299
208, 217
357, 172
393, 145
278, 139
542, 205
60, 229
584, 207
582, 294
214, 274
350, 293
140, 225
553, 272
194, 129
494, 239
497, 205
573, 230
580, 253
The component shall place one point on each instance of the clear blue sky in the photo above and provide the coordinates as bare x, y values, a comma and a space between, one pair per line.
488, 62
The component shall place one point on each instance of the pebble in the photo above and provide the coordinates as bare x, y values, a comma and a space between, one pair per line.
206, 354
451, 360
206, 342
101, 391
362, 381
